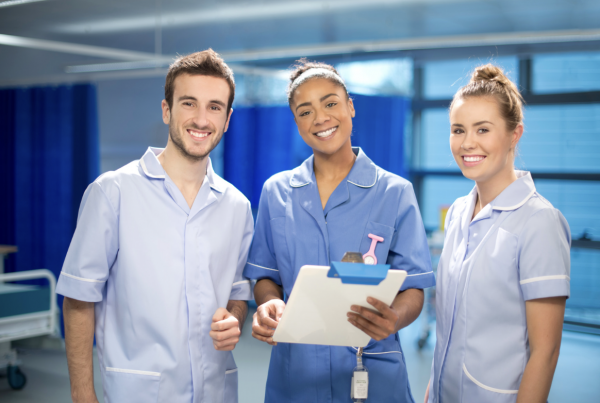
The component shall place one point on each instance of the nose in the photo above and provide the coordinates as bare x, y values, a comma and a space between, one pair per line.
201, 118
469, 142
321, 117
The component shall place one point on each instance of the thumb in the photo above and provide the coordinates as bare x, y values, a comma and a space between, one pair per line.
279, 311
221, 314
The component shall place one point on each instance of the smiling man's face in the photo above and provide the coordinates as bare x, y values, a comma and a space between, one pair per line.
199, 115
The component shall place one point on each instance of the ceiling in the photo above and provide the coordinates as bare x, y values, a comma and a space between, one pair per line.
242, 29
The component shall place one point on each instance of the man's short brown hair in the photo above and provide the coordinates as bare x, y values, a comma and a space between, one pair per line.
205, 63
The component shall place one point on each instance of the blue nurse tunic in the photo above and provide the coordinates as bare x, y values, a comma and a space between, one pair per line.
293, 230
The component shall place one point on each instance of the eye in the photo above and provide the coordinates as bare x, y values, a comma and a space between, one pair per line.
457, 131
188, 104
482, 130
331, 104
305, 113
215, 108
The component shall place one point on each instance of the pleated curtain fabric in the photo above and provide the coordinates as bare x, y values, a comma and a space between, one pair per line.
49, 153
264, 140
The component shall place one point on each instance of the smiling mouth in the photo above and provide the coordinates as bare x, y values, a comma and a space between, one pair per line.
198, 135
326, 133
472, 160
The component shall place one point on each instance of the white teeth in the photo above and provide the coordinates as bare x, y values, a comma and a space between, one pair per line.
473, 159
326, 133
198, 135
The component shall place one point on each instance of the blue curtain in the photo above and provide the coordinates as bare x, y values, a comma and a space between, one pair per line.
262, 141
49, 153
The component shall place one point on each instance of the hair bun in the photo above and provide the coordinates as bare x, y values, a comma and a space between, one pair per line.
490, 73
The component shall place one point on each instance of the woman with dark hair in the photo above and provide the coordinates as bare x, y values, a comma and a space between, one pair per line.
315, 213
503, 276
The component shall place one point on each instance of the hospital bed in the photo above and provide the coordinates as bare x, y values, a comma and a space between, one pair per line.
25, 311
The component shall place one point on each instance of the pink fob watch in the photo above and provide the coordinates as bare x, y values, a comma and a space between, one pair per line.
369, 257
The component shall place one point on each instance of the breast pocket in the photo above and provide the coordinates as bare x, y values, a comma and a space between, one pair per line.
382, 248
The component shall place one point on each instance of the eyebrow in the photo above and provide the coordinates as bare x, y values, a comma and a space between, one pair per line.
191, 98
475, 124
323, 98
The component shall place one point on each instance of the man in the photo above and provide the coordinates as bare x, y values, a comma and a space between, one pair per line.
156, 261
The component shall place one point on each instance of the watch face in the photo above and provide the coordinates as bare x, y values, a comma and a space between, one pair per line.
369, 260
352, 257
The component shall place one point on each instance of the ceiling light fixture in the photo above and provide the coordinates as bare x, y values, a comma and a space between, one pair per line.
9, 3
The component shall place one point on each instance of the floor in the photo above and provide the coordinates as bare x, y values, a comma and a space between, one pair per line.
576, 378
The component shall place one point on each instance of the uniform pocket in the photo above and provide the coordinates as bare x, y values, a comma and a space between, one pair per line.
131, 386
479, 392
231, 386
382, 249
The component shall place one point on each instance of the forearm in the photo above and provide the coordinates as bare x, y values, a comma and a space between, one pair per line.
408, 305
79, 340
239, 309
537, 378
266, 290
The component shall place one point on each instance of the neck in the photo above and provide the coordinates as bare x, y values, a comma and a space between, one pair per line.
333, 166
490, 189
186, 173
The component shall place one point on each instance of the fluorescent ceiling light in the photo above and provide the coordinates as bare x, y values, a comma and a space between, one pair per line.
236, 13
74, 48
9, 3
509, 38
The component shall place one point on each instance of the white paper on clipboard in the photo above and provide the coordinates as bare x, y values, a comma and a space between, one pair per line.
316, 312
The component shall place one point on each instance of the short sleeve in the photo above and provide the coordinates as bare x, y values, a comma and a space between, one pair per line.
409, 249
261, 259
93, 248
241, 289
544, 255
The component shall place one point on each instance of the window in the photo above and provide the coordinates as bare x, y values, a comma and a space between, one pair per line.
570, 72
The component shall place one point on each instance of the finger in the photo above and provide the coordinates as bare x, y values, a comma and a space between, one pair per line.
374, 317
224, 335
368, 327
266, 339
379, 305
226, 345
263, 330
365, 329
279, 308
225, 324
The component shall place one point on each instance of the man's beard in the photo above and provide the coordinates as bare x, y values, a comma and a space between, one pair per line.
180, 145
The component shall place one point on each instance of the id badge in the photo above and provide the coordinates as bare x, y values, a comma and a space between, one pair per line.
360, 385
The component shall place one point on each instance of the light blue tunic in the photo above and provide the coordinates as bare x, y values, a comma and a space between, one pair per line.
157, 271
293, 230
515, 249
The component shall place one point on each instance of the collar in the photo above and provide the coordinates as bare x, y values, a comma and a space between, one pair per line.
516, 194
154, 170
363, 173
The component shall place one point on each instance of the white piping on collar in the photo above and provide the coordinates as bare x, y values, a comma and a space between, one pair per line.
297, 186
517, 205
143, 164
363, 186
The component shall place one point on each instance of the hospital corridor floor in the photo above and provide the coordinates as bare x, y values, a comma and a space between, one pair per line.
575, 381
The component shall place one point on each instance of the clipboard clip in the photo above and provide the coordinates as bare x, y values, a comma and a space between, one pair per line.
352, 270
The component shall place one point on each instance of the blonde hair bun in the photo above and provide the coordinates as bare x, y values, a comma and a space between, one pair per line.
490, 80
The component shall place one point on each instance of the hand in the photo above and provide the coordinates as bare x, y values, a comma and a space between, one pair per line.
427, 393
225, 330
265, 320
379, 323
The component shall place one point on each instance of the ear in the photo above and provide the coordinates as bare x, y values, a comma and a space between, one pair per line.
228, 119
516, 136
351, 106
166, 113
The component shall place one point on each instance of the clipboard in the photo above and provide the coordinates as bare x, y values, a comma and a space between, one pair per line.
316, 311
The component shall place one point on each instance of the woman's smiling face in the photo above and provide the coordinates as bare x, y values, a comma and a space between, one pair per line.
323, 114
481, 144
